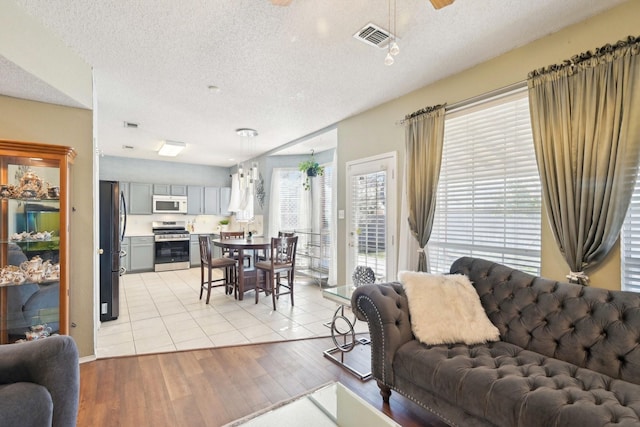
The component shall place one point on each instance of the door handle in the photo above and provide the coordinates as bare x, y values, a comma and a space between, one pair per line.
100, 251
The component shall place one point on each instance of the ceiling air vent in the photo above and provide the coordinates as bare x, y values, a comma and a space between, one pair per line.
131, 125
373, 35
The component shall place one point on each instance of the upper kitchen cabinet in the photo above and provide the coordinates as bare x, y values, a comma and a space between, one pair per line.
211, 200
139, 201
169, 190
195, 200
208, 200
34, 239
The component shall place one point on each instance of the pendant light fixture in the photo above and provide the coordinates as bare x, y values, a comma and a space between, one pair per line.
247, 178
392, 47
395, 49
388, 60
243, 182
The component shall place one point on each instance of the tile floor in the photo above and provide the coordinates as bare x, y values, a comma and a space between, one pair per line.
161, 312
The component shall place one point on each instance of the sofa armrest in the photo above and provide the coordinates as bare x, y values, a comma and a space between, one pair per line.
385, 308
51, 362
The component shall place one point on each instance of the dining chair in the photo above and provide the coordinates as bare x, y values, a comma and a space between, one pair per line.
230, 253
281, 259
261, 256
227, 265
287, 234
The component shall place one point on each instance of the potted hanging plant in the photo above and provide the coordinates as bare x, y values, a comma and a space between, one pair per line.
311, 168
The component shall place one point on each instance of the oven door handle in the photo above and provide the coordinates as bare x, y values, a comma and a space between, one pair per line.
177, 239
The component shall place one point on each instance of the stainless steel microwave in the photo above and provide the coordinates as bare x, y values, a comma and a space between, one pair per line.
170, 204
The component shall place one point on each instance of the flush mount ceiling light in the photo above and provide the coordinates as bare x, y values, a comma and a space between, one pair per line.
171, 148
246, 132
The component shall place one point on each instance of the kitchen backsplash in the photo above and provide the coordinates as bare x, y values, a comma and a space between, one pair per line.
140, 225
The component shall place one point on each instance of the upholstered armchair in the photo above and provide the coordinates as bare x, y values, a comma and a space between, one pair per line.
39, 383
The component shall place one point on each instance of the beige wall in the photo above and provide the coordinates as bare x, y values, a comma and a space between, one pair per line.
374, 131
23, 120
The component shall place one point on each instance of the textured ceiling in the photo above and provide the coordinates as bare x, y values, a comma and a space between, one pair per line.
285, 71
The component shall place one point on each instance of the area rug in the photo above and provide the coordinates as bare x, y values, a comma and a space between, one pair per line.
275, 406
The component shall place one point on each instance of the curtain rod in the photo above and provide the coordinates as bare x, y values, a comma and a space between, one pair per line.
479, 98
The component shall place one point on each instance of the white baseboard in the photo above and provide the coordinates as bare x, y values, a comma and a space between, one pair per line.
86, 359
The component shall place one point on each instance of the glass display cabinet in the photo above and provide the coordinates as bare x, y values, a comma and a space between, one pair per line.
34, 240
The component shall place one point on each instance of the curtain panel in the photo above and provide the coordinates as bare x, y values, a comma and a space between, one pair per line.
424, 137
586, 130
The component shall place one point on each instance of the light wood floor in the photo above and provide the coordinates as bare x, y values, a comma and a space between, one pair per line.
212, 387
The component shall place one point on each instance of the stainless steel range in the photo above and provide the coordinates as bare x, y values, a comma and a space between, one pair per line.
171, 245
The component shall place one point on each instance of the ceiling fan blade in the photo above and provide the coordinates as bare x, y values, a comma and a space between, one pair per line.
281, 2
439, 4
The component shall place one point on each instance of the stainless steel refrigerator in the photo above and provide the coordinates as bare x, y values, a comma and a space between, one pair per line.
113, 224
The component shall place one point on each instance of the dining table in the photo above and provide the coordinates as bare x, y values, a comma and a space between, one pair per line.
247, 277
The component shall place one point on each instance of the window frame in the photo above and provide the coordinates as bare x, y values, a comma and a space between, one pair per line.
523, 217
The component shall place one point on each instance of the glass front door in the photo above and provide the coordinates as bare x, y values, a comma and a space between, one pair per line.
371, 209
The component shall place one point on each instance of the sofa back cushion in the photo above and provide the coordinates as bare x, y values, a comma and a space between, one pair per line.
588, 327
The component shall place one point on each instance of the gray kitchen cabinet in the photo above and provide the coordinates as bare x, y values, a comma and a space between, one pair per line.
225, 198
170, 189
203, 200
178, 190
139, 201
161, 189
195, 200
142, 253
125, 260
194, 251
212, 200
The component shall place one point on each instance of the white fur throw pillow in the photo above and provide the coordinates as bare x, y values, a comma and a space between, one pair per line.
446, 309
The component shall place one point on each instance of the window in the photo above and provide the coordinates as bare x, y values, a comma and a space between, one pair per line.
290, 194
325, 221
630, 238
489, 199
300, 209
368, 220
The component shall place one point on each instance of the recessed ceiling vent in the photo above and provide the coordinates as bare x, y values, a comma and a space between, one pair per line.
373, 35
131, 125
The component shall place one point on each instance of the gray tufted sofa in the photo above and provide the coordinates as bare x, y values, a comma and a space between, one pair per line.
568, 356
39, 383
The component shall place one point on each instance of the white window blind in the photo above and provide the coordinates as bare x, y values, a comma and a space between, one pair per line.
290, 194
326, 216
368, 218
489, 201
631, 244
